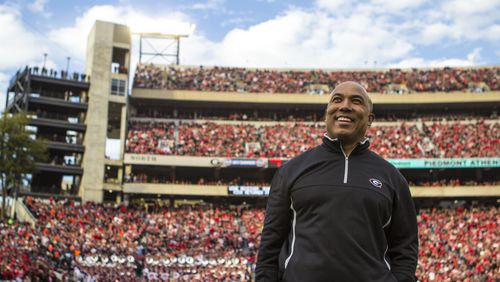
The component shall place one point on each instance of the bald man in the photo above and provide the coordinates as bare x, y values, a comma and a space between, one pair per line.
340, 212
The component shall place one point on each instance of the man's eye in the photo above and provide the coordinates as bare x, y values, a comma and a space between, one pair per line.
336, 99
356, 101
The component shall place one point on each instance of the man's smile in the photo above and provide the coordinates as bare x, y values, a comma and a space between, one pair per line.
344, 119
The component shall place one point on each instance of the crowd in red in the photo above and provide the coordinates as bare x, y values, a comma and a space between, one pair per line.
459, 244
287, 115
116, 243
17, 251
151, 138
314, 81
147, 178
417, 140
162, 179
210, 242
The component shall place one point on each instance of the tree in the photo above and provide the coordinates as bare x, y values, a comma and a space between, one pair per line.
18, 153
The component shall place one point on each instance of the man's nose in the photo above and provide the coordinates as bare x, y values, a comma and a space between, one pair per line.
345, 105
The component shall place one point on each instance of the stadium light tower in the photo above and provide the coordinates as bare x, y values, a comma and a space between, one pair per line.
170, 44
162, 45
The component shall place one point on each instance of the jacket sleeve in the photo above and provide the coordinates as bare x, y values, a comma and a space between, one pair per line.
277, 225
403, 234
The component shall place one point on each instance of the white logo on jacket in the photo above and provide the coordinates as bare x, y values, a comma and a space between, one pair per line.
375, 182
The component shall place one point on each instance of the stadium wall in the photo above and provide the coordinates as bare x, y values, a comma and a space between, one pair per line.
378, 98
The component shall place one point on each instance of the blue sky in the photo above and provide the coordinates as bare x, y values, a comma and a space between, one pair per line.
263, 33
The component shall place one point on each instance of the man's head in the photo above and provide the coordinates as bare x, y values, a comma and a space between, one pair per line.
349, 113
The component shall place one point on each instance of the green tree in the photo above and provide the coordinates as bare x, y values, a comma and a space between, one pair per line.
18, 153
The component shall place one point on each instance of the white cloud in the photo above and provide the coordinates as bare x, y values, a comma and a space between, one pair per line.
38, 6
4, 81
432, 21
18, 44
436, 32
235, 21
472, 59
475, 56
466, 7
369, 8
3, 77
208, 5
460, 20
334, 6
304, 39
492, 33
390, 6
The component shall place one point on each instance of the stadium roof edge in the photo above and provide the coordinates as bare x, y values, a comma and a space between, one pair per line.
328, 69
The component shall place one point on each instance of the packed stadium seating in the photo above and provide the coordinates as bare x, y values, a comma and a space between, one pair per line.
145, 178
406, 140
210, 242
192, 180
315, 81
459, 244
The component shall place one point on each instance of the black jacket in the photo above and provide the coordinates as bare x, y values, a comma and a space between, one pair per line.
336, 218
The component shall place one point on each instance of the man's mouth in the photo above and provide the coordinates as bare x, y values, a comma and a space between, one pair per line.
344, 119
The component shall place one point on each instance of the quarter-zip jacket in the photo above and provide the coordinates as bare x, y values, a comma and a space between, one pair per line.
332, 217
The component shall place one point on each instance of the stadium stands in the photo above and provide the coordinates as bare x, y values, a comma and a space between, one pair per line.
145, 178
398, 81
459, 244
405, 140
210, 242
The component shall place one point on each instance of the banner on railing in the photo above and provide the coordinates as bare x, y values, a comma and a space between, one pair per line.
248, 190
446, 163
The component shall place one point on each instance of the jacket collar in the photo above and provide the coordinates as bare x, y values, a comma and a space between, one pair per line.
334, 144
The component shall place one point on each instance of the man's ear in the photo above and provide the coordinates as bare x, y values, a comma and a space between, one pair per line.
371, 118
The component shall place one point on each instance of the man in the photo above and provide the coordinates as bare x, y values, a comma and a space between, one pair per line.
339, 212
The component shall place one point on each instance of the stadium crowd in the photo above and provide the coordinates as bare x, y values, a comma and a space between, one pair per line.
151, 138
314, 81
147, 178
108, 242
459, 244
418, 140
162, 179
208, 242
289, 115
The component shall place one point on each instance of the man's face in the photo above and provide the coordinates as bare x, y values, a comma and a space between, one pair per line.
348, 113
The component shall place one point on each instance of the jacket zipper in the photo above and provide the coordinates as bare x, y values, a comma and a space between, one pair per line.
346, 169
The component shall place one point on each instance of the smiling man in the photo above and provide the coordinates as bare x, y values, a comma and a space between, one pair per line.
340, 212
